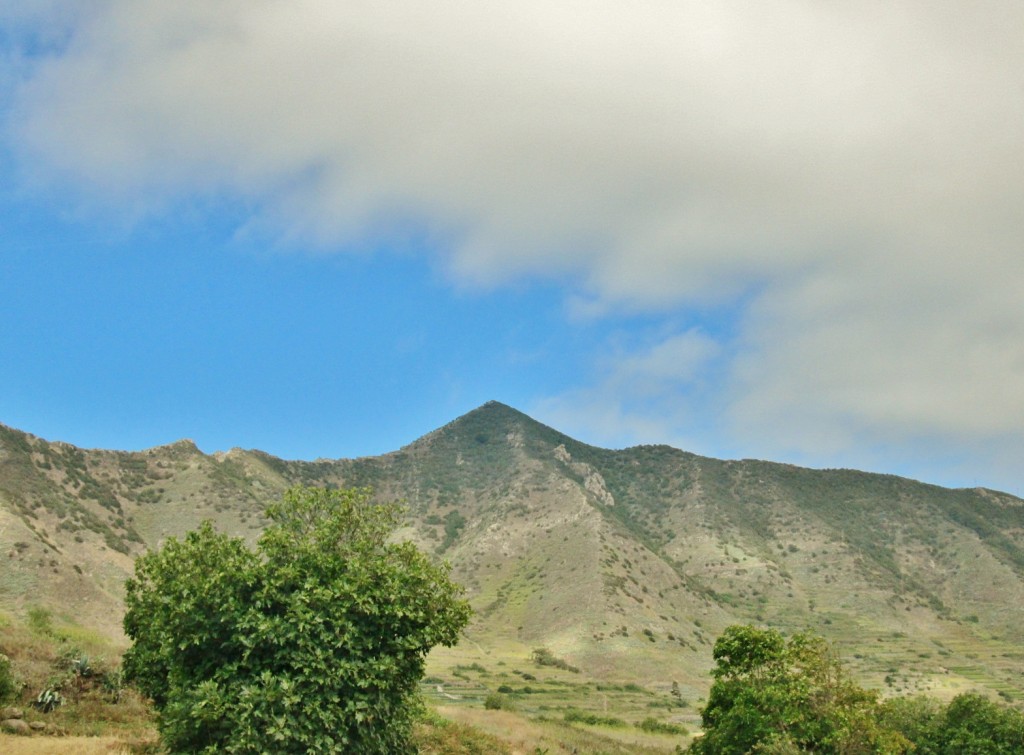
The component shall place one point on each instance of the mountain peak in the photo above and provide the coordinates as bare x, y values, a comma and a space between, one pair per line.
495, 410
490, 422
627, 561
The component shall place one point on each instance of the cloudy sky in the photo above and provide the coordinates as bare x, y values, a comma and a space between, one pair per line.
787, 229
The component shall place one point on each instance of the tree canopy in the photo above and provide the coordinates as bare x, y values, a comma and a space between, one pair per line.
970, 723
781, 696
773, 695
313, 641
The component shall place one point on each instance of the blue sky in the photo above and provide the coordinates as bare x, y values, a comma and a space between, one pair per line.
787, 231
131, 339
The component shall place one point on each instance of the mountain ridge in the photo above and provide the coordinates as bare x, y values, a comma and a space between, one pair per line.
624, 561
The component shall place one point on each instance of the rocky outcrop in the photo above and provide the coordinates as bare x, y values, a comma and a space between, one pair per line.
12, 721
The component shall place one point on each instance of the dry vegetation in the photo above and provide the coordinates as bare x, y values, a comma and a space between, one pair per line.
79, 672
47, 745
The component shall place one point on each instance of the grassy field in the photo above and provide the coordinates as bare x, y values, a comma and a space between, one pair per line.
502, 691
481, 698
541, 708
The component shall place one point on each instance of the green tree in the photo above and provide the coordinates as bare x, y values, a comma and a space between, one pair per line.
976, 725
771, 695
311, 642
919, 718
969, 725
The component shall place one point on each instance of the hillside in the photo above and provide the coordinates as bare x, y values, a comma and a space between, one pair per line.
625, 563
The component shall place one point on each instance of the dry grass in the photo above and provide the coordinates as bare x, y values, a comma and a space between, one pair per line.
13, 745
95, 712
438, 736
525, 736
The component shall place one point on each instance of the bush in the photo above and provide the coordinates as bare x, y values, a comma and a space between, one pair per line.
8, 684
498, 701
40, 621
544, 657
593, 719
312, 642
654, 726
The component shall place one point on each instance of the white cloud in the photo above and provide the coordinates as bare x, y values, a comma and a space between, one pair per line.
648, 392
850, 174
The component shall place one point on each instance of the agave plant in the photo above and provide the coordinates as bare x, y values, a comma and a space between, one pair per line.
80, 666
48, 699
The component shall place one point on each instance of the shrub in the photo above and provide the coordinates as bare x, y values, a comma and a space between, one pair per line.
654, 726
593, 719
544, 657
312, 642
498, 701
8, 684
40, 621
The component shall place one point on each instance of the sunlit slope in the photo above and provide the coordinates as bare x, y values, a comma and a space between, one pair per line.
623, 562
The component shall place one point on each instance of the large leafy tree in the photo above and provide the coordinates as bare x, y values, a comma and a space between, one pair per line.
311, 642
773, 695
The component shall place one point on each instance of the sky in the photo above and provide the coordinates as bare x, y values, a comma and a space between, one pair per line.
789, 230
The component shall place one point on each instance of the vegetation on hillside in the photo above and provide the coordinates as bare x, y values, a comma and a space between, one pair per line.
771, 694
624, 563
65, 681
97, 713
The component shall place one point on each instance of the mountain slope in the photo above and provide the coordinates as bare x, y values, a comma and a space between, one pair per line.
627, 563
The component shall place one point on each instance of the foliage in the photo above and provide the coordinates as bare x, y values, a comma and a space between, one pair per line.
81, 666
654, 726
40, 621
311, 642
592, 719
8, 684
977, 725
498, 701
453, 524
774, 695
771, 695
48, 699
969, 724
544, 657
918, 718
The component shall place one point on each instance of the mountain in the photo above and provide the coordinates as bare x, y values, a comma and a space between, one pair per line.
625, 563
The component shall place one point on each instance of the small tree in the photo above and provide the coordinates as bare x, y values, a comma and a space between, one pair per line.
771, 695
312, 642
